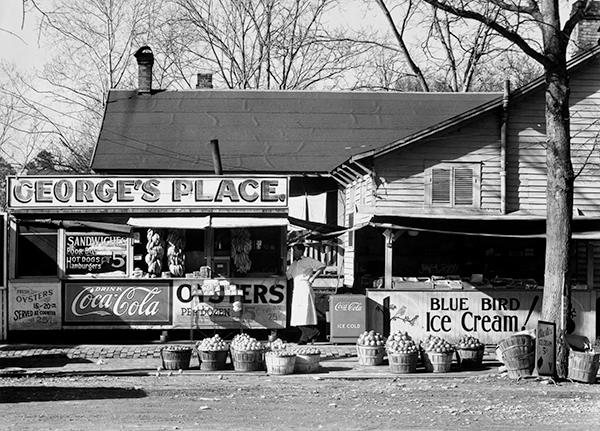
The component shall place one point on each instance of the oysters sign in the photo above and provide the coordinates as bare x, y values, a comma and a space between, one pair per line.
113, 303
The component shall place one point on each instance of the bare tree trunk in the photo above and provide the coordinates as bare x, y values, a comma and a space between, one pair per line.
559, 193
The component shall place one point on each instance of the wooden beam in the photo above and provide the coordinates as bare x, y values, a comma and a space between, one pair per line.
390, 236
363, 167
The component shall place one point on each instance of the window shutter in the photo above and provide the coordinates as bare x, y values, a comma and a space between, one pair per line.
440, 186
463, 186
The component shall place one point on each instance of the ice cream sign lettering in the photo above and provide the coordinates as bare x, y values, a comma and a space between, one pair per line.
99, 191
486, 315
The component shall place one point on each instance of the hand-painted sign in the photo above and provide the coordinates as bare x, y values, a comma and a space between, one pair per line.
95, 254
139, 192
490, 315
263, 305
117, 303
545, 348
34, 306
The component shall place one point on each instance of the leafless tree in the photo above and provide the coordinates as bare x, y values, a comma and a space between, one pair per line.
548, 47
269, 44
433, 50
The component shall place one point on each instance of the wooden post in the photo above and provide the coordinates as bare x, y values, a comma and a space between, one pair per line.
390, 237
216, 155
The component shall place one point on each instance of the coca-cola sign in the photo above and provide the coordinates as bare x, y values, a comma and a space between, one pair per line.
350, 306
117, 303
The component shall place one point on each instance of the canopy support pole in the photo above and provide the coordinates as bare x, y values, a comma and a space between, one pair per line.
390, 236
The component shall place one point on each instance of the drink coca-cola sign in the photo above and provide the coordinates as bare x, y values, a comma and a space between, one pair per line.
117, 303
349, 306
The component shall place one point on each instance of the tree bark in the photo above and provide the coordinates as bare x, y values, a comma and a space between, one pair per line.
559, 210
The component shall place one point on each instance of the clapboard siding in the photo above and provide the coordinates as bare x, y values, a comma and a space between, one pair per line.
585, 130
358, 193
526, 155
404, 170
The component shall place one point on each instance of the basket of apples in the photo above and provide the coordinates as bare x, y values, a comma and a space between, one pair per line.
402, 352
280, 361
212, 353
276, 344
247, 354
176, 357
469, 352
307, 359
437, 354
370, 348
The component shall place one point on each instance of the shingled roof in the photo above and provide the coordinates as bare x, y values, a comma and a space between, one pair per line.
262, 131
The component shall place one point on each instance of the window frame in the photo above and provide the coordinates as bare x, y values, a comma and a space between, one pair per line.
453, 167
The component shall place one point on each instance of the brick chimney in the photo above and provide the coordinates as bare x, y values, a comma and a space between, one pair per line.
586, 34
204, 80
145, 60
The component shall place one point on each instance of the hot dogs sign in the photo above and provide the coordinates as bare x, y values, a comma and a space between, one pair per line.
139, 192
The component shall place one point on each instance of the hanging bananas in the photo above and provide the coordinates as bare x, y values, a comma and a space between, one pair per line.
240, 249
155, 248
175, 257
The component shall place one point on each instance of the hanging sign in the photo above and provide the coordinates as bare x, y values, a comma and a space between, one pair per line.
34, 306
143, 192
121, 302
95, 254
545, 348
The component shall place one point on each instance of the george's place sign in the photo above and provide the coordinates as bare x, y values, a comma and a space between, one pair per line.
138, 192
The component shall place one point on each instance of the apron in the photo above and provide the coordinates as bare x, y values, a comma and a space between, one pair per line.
303, 310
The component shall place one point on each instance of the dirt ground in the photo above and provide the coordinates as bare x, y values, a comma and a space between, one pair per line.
174, 401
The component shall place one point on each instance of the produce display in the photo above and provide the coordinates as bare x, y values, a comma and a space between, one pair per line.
280, 353
436, 344
371, 338
469, 342
175, 257
240, 249
276, 344
306, 351
175, 348
401, 342
155, 248
245, 342
214, 343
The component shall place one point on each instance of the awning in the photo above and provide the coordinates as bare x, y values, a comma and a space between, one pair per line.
170, 222
534, 227
237, 222
76, 224
206, 221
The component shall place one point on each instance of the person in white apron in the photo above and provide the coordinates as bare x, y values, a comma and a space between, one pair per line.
303, 271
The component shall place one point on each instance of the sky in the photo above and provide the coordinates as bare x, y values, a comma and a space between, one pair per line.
18, 44
18, 38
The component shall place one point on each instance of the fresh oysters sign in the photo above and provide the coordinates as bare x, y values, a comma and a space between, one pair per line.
117, 303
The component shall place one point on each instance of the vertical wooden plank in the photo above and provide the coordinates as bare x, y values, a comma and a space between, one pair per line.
389, 254
590, 265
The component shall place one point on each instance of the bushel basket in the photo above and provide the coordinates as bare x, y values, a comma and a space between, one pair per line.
176, 359
212, 360
403, 363
248, 360
437, 362
370, 355
583, 366
307, 363
280, 364
518, 355
470, 358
